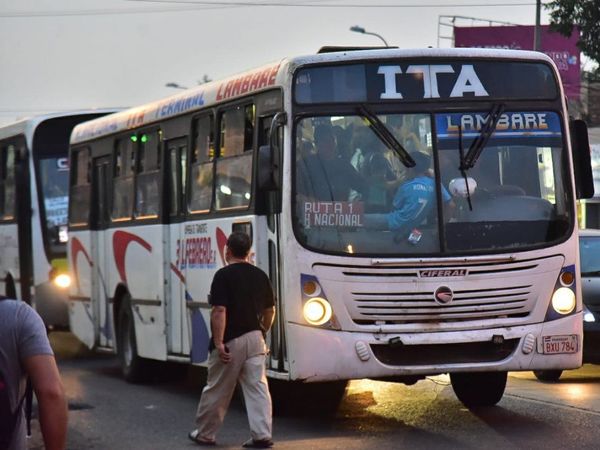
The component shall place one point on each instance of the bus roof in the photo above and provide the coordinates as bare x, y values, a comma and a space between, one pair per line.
27, 125
262, 78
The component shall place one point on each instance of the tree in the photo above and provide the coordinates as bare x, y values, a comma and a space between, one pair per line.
585, 14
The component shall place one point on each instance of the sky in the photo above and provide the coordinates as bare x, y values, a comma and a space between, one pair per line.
58, 55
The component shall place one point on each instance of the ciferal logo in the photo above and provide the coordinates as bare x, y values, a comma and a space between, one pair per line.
443, 295
432, 273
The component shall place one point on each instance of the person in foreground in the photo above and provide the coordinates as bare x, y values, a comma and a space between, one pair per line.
243, 309
25, 351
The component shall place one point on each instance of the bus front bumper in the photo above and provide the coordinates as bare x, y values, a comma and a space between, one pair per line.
317, 354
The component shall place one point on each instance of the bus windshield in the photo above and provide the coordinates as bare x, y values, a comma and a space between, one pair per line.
356, 194
54, 182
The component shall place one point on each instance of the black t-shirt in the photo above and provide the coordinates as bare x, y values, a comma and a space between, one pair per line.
245, 291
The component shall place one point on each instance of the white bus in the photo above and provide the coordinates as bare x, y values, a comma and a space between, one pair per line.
34, 182
486, 282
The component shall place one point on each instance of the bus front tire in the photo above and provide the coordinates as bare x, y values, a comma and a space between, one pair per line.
133, 367
548, 376
479, 389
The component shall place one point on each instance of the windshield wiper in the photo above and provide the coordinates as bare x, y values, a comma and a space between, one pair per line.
384, 134
480, 141
463, 170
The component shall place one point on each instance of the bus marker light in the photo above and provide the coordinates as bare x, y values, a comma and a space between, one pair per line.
528, 344
63, 281
567, 278
563, 300
311, 288
317, 311
362, 350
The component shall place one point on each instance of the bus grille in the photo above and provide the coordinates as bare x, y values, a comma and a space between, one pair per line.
403, 294
468, 304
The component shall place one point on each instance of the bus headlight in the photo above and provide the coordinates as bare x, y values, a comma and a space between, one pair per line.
563, 301
317, 311
62, 280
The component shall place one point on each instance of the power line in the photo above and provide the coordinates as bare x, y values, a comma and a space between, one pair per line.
108, 12
117, 11
336, 5
215, 5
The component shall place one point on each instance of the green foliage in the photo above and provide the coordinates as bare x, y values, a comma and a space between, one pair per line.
585, 14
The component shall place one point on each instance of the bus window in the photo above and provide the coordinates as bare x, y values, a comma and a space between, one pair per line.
202, 164
147, 198
80, 187
122, 204
8, 182
234, 166
177, 158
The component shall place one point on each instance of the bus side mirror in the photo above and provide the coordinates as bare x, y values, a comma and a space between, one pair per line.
582, 164
266, 175
269, 157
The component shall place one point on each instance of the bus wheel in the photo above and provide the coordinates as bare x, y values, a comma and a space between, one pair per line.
548, 375
296, 398
133, 368
477, 389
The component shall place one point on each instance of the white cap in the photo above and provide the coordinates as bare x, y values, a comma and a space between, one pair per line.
458, 186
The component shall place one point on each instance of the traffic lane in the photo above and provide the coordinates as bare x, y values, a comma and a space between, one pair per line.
516, 422
575, 389
110, 413
106, 412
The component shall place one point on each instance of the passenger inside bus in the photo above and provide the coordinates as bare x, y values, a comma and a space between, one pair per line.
324, 176
383, 182
414, 203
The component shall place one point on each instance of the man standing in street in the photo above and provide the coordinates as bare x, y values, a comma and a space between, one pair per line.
25, 351
243, 309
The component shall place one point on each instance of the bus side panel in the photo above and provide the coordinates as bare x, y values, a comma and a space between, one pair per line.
135, 256
175, 294
81, 312
203, 253
194, 258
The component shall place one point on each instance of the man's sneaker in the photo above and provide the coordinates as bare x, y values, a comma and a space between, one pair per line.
258, 443
194, 435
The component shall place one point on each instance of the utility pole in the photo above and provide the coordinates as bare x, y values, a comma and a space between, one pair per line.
537, 38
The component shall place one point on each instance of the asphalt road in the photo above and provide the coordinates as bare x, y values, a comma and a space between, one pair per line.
107, 413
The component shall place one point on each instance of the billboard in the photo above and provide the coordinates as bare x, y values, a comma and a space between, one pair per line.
562, 50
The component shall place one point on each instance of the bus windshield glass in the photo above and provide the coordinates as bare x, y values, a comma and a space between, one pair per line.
54, 182
354, 193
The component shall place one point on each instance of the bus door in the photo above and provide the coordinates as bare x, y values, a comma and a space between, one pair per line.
22, 199
15, 223
100, 218
267, 249
174, 212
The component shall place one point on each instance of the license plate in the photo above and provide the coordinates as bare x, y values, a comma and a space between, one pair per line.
552, 345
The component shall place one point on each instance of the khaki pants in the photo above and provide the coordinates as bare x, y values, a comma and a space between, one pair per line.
247, 365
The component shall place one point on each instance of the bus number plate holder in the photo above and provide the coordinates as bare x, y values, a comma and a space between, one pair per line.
553, 345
